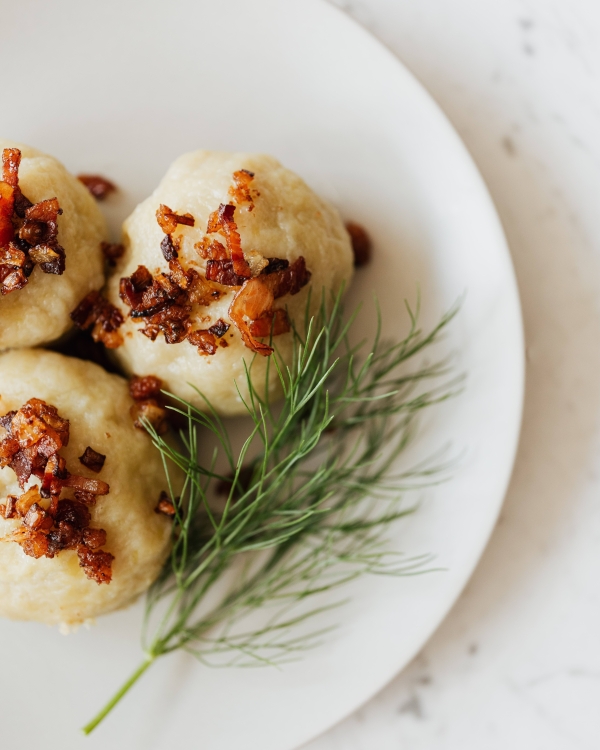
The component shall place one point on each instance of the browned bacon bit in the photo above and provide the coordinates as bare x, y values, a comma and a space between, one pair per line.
170, 247
149, 411
112, 252
165, 506
240, 190
93, 538
33, 543
219, 328
7, 202
8, 510
26, 500
74, 513
35, 434
270, 324
221, 221
92, 460
96, 312
98, 186
149, 403
64, 536
38, 519
28, 233
85, 497
11, 160
222, 272
165, 301
205, 341
96, 564
211, 249
168, 219
141, 388
274, 265
361, 243
254, 302
85, 484
54, 474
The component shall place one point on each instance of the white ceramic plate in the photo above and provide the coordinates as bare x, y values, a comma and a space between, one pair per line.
123, 88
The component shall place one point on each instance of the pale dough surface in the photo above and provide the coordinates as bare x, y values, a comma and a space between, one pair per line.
39, 313
97, 404
289, 220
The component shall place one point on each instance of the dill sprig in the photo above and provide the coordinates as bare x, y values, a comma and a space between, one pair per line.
309, 496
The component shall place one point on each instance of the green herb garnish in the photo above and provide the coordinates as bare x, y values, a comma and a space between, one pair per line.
308, 498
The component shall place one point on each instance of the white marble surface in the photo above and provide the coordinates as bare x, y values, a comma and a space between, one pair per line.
517, 662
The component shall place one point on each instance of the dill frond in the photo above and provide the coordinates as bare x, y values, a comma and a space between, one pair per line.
311, 492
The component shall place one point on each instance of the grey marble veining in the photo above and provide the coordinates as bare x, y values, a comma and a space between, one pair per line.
517, 662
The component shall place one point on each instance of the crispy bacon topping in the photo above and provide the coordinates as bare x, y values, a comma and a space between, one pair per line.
98, 186
112, 252
252, 307
222, 272
168, 219
146, 387
92, 460
204, 340
361, 243
97, 313
165, 506
149, 403
240, 191
270, 324
28, 233
221, 221
208, 339
219, 328
35, 434
164, 301
211, 249
96, 564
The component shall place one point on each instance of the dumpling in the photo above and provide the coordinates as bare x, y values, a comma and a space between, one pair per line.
229, 250
51, 232
79, 486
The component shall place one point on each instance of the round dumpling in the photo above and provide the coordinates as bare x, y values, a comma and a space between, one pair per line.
226, 253
85, 538
44, 273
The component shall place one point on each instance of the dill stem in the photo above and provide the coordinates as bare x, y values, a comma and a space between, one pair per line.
89, 728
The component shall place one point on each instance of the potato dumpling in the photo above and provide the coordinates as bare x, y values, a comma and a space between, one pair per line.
97, 404
36, 295
223, 254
